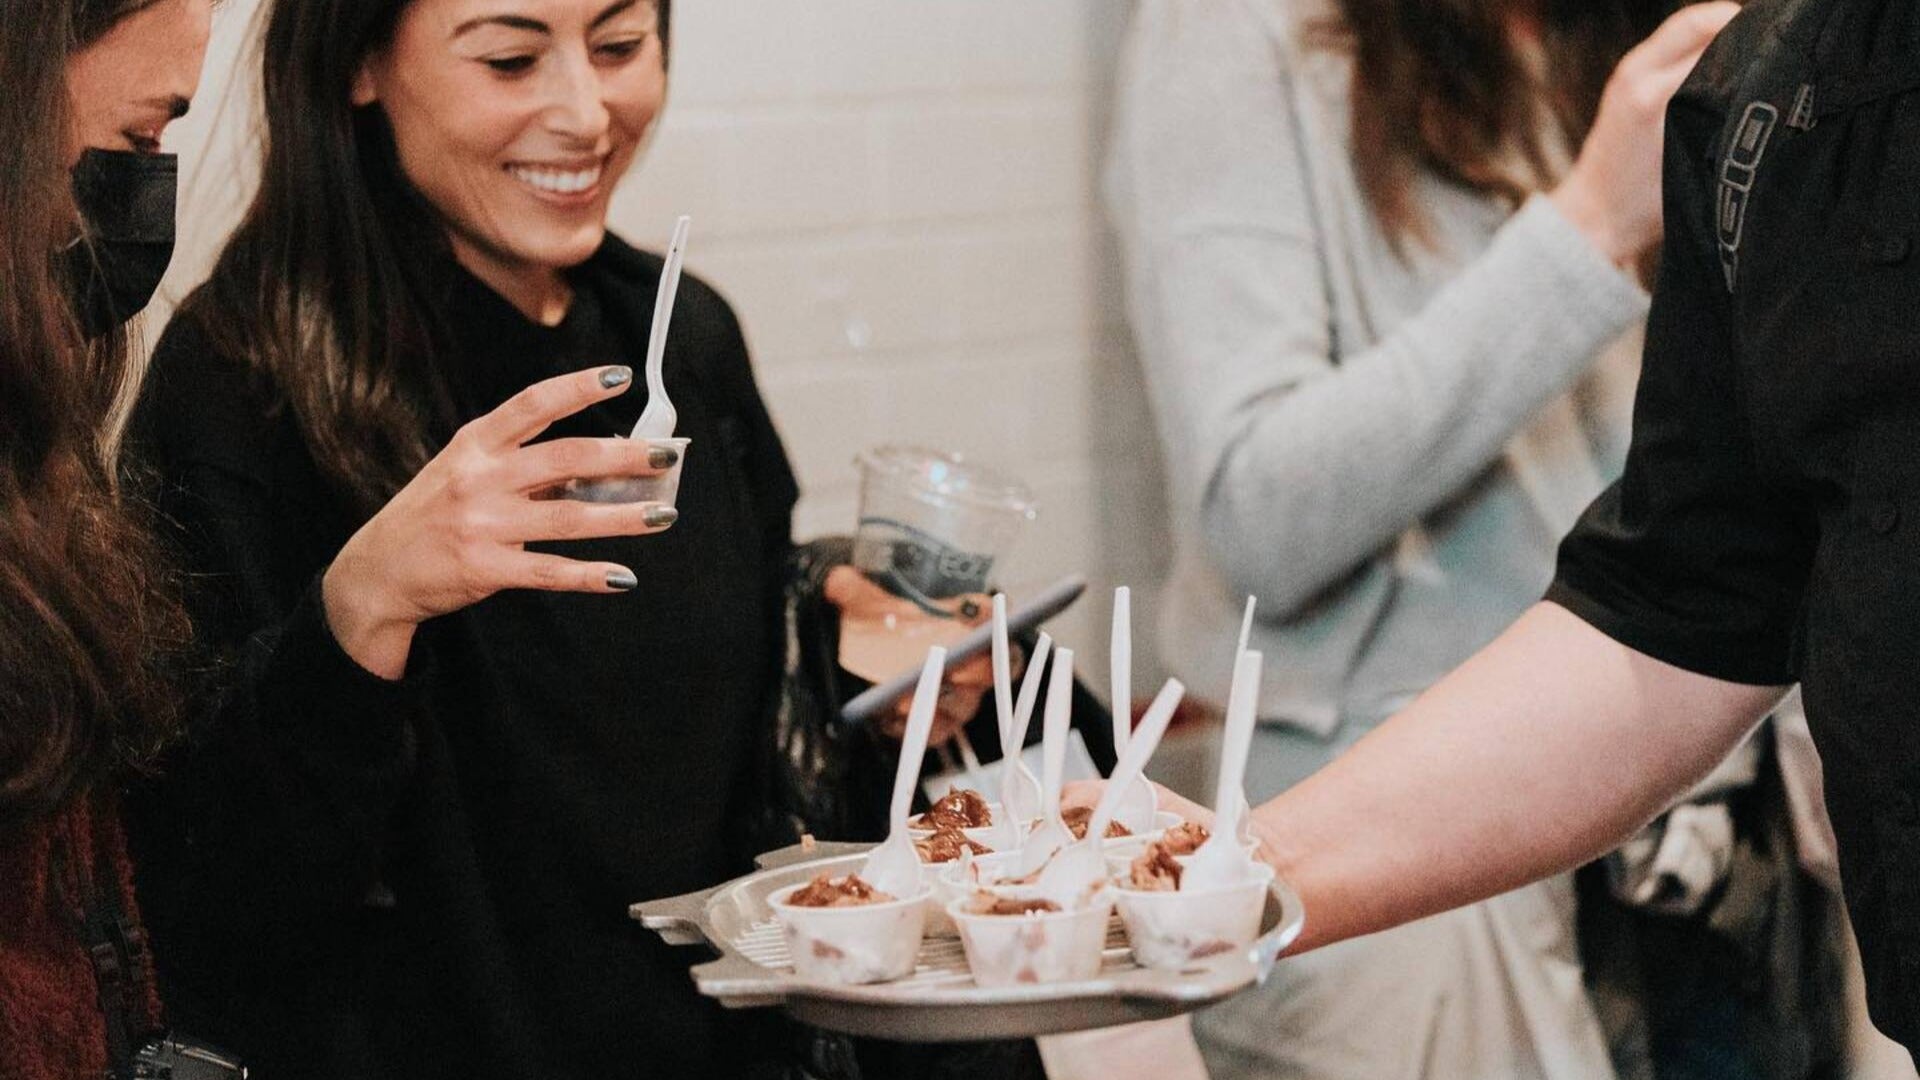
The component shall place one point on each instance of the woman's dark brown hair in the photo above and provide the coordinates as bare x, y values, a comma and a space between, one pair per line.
85, 623
1439, 86
330, 285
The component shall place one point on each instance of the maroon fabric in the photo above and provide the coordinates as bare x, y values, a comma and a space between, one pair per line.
50, 1021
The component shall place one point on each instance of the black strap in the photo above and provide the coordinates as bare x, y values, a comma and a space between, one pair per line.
115, 948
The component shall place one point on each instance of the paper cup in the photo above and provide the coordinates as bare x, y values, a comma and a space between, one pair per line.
869, 943
663, 489
1060, 946
1176, 929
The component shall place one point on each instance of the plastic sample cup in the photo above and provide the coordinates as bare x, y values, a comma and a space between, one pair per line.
1045, 947
663, 488
1173, 930
865, 943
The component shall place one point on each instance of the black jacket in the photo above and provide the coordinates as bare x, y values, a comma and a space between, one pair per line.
355, 878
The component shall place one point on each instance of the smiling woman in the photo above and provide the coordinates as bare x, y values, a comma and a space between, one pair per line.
516, 127
439, 752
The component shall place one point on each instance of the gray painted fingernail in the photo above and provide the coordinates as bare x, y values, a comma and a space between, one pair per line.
616, 376
659, 517
663, 457
622, 580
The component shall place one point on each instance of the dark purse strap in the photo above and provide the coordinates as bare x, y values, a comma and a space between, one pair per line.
115, 948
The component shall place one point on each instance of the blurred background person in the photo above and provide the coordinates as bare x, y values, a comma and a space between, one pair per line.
87, 619
1382, 268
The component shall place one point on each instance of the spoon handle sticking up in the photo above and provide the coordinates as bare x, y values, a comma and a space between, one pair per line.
1080, 867
894, 866
1133, 762
1242, 709
1052, 835
1020, 796
1054, 734
1121, 667
658, 419
913, 744
1002, 669
1030, 690
1223, 860
1246, 629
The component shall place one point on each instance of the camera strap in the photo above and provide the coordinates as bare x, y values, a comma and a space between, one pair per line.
115, 948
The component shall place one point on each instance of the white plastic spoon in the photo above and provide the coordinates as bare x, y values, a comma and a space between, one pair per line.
894, 866
1222, 860
1052, 835
1020, 795
1246, 629
1083, 864
658, 419
970, 760
1138, 803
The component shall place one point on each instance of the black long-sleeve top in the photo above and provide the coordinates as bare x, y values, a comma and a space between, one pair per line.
350, 877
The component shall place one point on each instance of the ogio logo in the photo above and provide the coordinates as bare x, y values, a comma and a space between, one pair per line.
1736, 181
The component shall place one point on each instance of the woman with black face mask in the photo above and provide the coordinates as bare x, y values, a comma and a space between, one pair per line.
86, 215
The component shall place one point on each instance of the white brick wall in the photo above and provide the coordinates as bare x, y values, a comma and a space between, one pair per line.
899, 198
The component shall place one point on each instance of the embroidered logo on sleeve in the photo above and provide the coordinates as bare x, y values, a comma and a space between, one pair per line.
1736, 181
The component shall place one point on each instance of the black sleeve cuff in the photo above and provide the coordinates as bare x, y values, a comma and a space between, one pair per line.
1710, 651
326, 699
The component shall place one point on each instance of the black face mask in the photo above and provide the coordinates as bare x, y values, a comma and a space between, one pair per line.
126, 205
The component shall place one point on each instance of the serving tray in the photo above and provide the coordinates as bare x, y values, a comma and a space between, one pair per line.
939, 1001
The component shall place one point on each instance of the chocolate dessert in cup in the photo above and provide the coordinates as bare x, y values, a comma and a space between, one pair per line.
960, 811
940, 850
845, 931
1179, 908
1013, 940
1171, 928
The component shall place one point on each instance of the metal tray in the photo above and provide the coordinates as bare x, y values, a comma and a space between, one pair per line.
939, 1001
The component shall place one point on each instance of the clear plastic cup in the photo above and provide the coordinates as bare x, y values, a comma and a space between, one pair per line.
867, 943
932, 526
663, 488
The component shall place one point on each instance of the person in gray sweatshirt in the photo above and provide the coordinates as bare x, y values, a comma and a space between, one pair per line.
1381, 271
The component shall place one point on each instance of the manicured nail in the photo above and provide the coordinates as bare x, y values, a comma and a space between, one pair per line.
616, 376
622, 580
663, 457
659, 517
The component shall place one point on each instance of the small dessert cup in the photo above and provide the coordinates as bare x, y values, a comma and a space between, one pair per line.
1176, 929
1041, 947
866, 943
663, 488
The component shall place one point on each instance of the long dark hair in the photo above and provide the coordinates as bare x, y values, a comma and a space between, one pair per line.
1439, 86
329, 286
86, 620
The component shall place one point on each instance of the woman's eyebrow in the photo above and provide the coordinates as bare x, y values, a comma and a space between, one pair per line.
516, 22
616, 9
522, 22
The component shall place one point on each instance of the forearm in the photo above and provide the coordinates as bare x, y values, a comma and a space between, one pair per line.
1540, 753
1315, 478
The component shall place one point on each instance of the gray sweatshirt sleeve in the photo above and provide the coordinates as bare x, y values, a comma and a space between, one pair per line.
1299, 469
